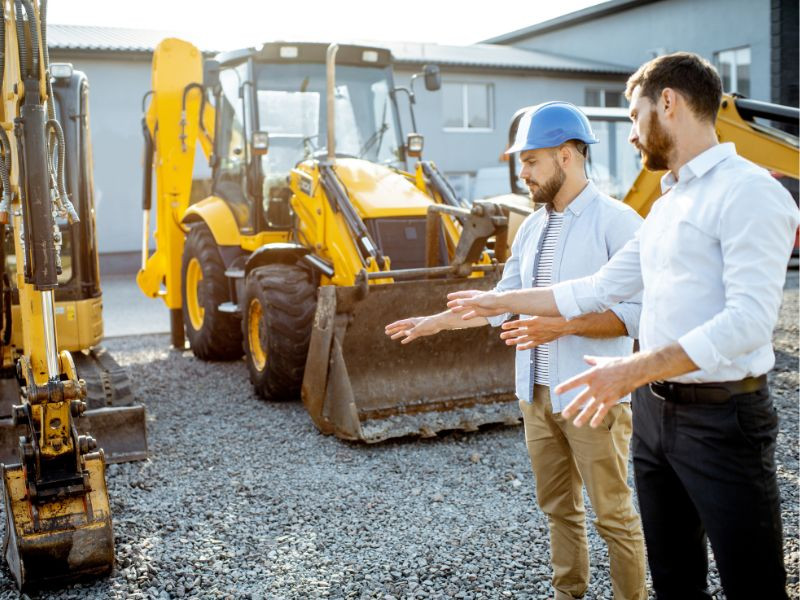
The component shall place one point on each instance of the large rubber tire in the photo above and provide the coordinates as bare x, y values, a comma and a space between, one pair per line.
213, 335
277, 316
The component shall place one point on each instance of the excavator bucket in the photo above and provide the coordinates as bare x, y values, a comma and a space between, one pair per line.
113, 417
62, 539
361, 385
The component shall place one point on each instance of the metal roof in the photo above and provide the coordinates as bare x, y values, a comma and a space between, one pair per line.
574, 18
80, 38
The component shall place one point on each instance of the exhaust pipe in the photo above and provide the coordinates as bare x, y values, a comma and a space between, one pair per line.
330, 67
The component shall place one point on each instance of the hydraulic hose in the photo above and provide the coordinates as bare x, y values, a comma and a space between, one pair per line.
53, 126
51, 109
34, 37
186, 90
23, 50
5, 167
5, 158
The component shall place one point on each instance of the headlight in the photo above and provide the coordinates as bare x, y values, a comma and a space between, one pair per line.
414, 143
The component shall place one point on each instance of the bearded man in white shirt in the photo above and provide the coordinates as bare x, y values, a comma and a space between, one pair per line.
711, 260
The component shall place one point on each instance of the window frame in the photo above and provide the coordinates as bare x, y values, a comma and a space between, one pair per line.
603, 91
465, 128
735, 68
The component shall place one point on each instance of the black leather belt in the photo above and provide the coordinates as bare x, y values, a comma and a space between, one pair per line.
717, 392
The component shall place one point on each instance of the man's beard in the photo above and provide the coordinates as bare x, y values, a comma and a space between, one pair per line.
546, 192
655, 156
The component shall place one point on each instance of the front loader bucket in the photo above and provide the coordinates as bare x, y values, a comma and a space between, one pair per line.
361, 385
61, 540
113, 418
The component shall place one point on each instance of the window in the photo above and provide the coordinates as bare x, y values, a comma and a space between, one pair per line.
602, 97
613, 163
229, 176
734, 68
467, 106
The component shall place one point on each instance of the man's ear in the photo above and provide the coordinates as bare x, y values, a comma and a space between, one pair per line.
565, 155
668, 101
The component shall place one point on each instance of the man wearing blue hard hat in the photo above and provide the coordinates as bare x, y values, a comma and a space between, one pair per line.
575, 234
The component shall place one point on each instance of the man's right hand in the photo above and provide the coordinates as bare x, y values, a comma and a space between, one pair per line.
412, 328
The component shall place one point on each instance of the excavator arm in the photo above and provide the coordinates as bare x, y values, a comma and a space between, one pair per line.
58, 521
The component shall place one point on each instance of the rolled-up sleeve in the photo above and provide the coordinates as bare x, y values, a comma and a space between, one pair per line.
630, 314
756, 234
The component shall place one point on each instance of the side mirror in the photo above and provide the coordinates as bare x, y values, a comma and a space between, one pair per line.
414, 143
210, 73
260, 143
433, 77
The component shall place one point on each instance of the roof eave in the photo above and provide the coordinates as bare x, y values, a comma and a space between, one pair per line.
574, 18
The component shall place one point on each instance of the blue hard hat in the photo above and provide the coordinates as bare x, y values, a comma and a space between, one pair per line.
551, 124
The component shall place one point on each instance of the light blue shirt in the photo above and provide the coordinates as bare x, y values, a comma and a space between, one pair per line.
595, 227
711, 257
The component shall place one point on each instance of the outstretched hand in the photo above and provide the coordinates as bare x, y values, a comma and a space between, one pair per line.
526, 334
407, 330
606, 382
471, 304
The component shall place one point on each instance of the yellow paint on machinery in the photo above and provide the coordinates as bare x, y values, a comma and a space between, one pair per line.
175, 64
79, 324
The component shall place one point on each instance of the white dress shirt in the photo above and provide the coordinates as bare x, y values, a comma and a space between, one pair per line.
711, 258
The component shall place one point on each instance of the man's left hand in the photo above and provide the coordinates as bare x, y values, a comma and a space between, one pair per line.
609, 379
526, 334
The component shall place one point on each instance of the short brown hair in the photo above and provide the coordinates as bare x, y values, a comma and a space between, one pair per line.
693, 76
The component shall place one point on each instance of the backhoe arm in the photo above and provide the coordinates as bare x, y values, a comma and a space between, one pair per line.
172, 129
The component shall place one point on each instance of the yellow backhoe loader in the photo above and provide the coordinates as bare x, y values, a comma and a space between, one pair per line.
58, 520
315, 235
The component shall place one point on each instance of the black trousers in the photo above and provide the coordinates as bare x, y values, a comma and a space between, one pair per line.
702, 470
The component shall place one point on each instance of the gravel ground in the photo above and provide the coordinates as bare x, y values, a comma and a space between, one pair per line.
244, 499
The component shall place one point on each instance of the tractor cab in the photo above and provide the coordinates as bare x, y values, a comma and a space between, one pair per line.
271, 114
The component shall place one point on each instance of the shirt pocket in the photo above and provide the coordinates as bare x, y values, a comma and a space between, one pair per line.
691, 238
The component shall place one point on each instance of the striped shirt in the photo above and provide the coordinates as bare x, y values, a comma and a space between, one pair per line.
544, 278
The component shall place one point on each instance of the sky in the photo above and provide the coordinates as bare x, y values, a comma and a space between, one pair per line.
242, 22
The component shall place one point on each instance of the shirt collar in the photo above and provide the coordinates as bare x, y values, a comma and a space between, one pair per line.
699, 165
582, 200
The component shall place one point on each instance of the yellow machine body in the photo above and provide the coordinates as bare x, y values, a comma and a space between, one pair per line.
79, 324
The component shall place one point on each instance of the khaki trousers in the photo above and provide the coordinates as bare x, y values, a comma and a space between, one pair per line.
563, 458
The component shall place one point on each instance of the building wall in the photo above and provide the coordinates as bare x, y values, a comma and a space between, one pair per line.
638, 34
785, 52
469, 151
118, 82
465, 152
116, 87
